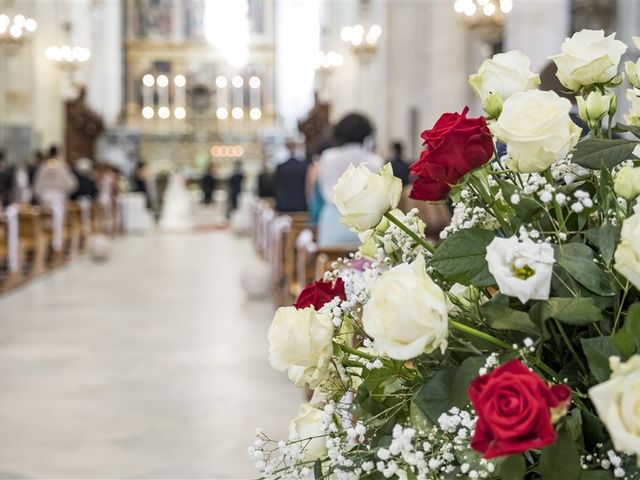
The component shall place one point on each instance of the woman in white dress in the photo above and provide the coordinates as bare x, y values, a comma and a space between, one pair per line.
350, 134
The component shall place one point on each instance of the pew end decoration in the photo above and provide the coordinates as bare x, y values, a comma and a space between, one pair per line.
510, 350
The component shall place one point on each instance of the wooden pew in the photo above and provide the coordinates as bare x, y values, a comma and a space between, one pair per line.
10, 254
313, 261
33, 241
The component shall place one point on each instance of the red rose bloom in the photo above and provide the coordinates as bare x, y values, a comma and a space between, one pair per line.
454, 146
514, 410
318, 293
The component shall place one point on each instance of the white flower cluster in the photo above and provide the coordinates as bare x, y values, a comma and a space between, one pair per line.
583, 200
610, 460
468, 215
568, 172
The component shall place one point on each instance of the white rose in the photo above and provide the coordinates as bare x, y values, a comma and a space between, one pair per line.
633, 72
589, 58
308, 433
363, 197
595, 107
617, 402
537, 130
521, 269
633, 117
627, 183
406, 314
300, 341
500, 77
627, 256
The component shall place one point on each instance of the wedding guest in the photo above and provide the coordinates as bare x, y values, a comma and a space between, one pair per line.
312, 187
140, 182
54, 181
35, 164
350, 134
290, 180
7, 181
266, 181
235, 185
208, 185
87, 187
398, 164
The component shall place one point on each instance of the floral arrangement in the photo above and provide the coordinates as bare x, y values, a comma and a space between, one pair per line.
511, 350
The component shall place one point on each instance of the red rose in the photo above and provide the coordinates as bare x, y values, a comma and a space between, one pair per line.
514, 410
318, 293
454, 146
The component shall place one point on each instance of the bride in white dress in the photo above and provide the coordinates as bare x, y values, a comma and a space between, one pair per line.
178, 211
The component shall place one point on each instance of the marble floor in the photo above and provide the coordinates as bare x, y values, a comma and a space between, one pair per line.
152, 365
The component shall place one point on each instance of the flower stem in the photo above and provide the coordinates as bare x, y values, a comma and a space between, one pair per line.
357, 353
478, 334
418, 238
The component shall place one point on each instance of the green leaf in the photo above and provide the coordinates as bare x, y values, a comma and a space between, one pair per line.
526, 208
597, 475
592, 428
502, 317
605, 239
577, 260
594, 152
627, 339
465, 374
561, 459
628, 128
461, 257
434, 398
317, 470
574, 310
598, 350
513, 467
573, 425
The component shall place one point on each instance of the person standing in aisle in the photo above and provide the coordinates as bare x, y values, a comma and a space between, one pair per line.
235, 186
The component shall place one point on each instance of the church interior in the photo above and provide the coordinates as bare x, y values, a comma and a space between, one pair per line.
149, 228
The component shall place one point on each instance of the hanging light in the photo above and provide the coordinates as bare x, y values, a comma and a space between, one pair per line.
17, 28
67, 55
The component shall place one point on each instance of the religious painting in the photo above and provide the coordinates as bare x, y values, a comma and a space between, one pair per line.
150, 19
194, 20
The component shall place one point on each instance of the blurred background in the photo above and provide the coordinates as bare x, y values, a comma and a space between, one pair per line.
161, 174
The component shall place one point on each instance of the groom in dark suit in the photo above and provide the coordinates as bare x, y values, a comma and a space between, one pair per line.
290, 180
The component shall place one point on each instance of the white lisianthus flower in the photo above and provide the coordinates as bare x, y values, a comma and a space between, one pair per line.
617, 402
627, 256
537, 130
308, 432
363, 197
595, 107
500, 77
521, 269
633, 117
300, 341
589, 58
406, 314
627, 183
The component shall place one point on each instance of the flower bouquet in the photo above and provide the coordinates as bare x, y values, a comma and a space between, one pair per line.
511, 350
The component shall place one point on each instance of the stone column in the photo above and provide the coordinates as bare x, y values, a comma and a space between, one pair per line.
537, 28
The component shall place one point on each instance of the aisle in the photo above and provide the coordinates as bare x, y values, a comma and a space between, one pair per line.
150, 366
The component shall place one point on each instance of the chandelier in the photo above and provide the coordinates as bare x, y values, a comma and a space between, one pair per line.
67, 55
326, 62
16, 29
485, 17
483, 11
364, 42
